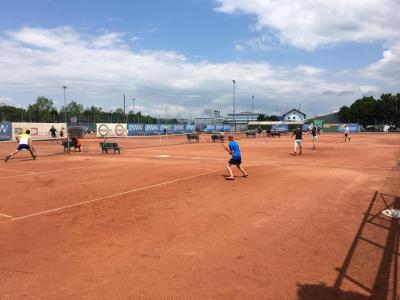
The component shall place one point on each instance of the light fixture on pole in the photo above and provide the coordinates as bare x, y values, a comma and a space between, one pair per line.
234, 104
65, 105
252, 107
124, 104
133, 108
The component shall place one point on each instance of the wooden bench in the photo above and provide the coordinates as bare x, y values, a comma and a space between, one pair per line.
251, 133
274, 133
215, 137
70, 144
108, 146
193, 136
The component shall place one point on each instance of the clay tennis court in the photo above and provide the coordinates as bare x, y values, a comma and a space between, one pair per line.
163, 223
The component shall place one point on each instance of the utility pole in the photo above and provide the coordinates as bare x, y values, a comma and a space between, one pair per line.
65, 105
252, 107
133, 108
234, 104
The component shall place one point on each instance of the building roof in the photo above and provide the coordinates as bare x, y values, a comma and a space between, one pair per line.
294, 110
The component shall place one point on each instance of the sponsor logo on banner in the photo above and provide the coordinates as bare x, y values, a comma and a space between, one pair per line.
103, 130
111, 130
38, 130
353, 127
119, 130
5, 131
280, 127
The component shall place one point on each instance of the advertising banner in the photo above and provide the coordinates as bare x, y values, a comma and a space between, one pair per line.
5, 131
136, 129
151, 129
353, 127
166, 128
190, 128
178, 128
38, 130
280, 127
111, 130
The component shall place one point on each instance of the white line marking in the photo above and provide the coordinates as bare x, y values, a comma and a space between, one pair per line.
44, 172
274, 163
111, 196
27, 172
6, 216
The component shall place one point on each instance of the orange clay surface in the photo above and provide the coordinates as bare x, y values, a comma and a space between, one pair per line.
163, 223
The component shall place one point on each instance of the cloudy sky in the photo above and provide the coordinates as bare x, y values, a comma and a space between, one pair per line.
318, 54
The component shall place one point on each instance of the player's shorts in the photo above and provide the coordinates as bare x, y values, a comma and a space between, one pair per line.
314, 138
298, 142
23, 146
346, 134
235, 161
53, 135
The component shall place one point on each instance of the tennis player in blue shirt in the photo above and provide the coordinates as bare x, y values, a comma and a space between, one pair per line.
236, 158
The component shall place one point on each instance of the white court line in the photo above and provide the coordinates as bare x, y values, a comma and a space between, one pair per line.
110, 196
44, 172
272, 163
6, 216
16, 171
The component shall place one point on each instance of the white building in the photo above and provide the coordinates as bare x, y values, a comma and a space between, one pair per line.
242, 118
294, 115
203, 121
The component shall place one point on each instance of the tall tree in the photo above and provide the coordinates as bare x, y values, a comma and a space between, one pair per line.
363, 111
344, 114
41, 110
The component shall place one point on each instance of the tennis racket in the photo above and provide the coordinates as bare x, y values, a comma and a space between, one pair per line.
223, 146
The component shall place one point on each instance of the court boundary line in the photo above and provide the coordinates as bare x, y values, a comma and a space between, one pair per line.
263, 163
109, 196
6, 216
43, 172
27, 172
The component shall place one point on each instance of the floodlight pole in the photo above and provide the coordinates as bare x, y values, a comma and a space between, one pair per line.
65, 106
124, 107
133, 108
252, 107
234, 104
65, 117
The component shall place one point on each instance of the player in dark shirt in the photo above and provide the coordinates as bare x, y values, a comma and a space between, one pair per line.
298, 134
53, 133
314, 137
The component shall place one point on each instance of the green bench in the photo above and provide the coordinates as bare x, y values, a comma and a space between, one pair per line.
70, 144
108, 146
251, 133
193, 136
217, 137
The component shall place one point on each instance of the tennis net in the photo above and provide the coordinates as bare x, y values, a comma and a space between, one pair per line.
91, 145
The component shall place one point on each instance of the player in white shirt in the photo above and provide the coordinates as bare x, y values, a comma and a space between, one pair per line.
24, 143
346, 134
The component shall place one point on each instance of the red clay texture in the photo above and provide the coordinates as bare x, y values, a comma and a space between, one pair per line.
163, 223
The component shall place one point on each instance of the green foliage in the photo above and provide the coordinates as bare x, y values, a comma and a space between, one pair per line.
262, 117
11, 113
41, 110
370, 111
344, 114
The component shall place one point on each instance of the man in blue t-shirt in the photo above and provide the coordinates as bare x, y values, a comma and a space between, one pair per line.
236, 158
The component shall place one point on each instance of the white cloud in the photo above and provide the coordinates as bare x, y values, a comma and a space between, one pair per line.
387, 68
108, 40
7, 101
260, 43
99, 69
308, 24
309, 70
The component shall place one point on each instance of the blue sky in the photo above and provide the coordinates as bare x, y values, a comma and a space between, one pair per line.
184, 54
